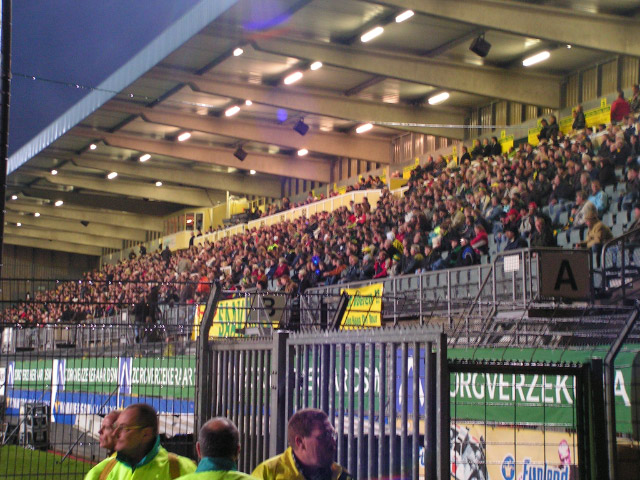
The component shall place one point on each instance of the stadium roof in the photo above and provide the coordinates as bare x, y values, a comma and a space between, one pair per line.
189, 77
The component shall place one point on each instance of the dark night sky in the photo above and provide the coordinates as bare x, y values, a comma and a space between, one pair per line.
74, 41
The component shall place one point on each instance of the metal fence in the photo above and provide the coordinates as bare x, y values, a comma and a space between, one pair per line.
385, 391
53, 399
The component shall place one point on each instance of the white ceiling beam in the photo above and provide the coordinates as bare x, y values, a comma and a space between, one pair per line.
49, 244
180, 195
317, 102
337, 144
104, 217
296, 167
92, 228
532, 89
249, 185
80, 239
610, 33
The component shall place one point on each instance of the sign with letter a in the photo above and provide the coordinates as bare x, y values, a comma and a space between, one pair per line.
565, 274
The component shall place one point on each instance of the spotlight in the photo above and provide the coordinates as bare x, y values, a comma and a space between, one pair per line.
112, 175
302, 152
248, 103
54, 172
371, 34
184, 136
93, 146
364, 128
301, 127
231, 111
240, 154
237, 52
37, 214
439, 98
59, 203
158, 183
480, 46
316, 65
14, 197
145, 157
537, 58
252, 172
18, 224
293, 78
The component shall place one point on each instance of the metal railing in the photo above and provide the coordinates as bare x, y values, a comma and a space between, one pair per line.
620, 262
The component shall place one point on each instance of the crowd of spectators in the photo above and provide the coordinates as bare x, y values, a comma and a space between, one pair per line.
444, 218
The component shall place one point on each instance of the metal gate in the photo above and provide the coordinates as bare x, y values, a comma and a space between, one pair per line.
385, 391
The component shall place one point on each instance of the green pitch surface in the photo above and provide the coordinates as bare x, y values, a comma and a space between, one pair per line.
21, 464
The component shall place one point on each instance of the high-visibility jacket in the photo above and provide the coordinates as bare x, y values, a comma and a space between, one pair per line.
283, 467
156, 465
213, 468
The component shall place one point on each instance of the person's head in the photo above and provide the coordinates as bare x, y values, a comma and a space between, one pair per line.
591, 218
218, 437
312, 438
106, 432
511, 233
620, 93
636, 211
635, 89
539, 221
136, 431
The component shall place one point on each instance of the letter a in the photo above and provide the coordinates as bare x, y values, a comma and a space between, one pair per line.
565, 268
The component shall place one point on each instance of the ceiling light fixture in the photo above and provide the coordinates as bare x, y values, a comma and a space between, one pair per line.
406, 15
54, 172
371, 34
568, 46
59, 203
480, 46
112, 175
301, 127
248, 103
292, 78
364, 128
237, 52
316, 66
93, 146
439, 98
252, 172
537, 58
14, 197
18, 224
184, 136
231, 111
145, 157
37, 214
302, 152
158, 184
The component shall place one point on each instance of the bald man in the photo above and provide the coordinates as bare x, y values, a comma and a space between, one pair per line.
218, 447
107, 431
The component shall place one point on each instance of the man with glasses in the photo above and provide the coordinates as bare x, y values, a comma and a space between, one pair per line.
138, 451
312, 449
218, 447
107, 431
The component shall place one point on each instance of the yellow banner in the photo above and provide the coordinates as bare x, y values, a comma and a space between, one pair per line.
230, 319
597, 116
566, 124
342, 190
364, 309
533, 136
506, 453
506, 143
406, 171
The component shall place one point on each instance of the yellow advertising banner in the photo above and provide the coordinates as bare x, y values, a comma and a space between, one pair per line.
566, 125
508, 453
506, 143
406, 171
364, 309
230, 319
597, 116
532, 136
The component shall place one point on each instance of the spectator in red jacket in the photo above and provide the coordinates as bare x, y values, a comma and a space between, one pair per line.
619, 108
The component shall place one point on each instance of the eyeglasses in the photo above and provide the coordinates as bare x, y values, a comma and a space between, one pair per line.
328, 435
127, 428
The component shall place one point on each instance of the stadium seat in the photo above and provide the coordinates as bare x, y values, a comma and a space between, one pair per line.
574, 237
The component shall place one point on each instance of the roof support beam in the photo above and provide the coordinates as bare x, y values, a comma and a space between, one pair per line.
48, 244
339, 145
259, 186
531, 89
610, 33
103, 217
80, 239
308, 169
97, 229
180, 195
320, 103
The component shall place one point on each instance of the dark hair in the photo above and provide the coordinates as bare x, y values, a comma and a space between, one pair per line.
219, 437
146, 416
302, 422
